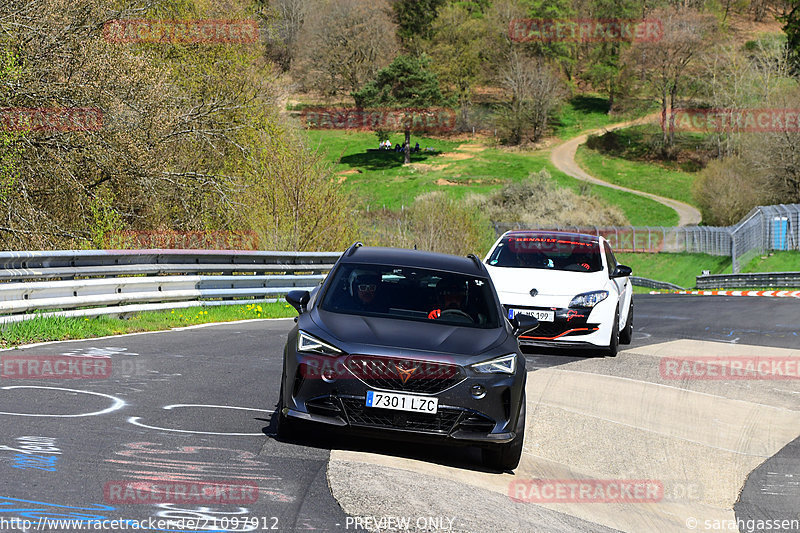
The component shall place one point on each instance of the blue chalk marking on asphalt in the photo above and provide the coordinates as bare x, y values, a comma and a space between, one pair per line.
36, 462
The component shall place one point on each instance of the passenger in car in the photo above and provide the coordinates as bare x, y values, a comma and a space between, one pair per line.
366, 289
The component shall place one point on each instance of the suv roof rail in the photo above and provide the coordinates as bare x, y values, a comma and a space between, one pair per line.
476, 260
352, 249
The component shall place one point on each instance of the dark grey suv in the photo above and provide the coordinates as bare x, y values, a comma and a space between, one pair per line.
408, 344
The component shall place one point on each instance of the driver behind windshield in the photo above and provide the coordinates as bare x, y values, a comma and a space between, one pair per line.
452, 296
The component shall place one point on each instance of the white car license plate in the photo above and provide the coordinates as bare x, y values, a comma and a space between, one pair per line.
402, 402
541, 316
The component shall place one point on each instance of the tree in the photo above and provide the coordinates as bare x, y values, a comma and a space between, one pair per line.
184, 126
456, 48
407, 83
286, 19
738, 78
414, 19
664, 65
498, 43
563, 52
536, 91
343, 44
774, 154
604, 58
792, 30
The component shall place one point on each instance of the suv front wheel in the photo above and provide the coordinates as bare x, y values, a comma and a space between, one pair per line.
506, 456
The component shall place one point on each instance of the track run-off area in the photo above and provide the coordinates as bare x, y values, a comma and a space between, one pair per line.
652, 440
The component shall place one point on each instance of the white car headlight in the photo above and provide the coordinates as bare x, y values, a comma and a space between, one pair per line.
309, 343
506, 364
589, 299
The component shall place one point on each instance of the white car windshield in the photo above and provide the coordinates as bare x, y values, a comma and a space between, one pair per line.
548, 252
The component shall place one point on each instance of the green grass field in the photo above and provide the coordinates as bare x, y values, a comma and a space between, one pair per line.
62, 328
380, 180
587, 112
638, 175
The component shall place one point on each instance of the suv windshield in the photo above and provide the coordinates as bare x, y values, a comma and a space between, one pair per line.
549, 252
412, 294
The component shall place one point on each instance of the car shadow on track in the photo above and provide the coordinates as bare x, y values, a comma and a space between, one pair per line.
333, 438
539, 358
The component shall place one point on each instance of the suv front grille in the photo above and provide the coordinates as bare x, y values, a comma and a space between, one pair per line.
404, 375
359, 414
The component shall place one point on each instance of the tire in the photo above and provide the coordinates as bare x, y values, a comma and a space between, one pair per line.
626, 336
613, 346
505, 457
285, 428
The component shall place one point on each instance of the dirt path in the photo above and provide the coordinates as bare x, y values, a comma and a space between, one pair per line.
563, 157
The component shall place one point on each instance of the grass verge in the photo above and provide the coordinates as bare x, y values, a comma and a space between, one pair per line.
680, 269
637, 175
41, 329
776, 261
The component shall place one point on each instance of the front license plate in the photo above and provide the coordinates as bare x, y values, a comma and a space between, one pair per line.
402, 402
541, 316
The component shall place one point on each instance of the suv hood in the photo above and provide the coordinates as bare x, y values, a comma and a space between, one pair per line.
394, 336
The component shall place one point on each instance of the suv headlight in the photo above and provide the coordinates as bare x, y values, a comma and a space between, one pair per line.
309, 343
506, 364
589, 299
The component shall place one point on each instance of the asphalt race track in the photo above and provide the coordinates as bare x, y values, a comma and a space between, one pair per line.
196, 405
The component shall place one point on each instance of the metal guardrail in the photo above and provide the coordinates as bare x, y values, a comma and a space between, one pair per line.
653, 284
757, 280
100, 282
103, 282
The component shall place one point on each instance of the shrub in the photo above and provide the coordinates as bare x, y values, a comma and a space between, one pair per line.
538, 201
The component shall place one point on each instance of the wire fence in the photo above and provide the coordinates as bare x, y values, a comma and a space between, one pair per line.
773, 227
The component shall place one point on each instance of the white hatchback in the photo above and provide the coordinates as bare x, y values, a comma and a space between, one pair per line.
570, 282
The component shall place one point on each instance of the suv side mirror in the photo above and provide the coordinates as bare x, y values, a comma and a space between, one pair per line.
298, 300
621, 271
523, 324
